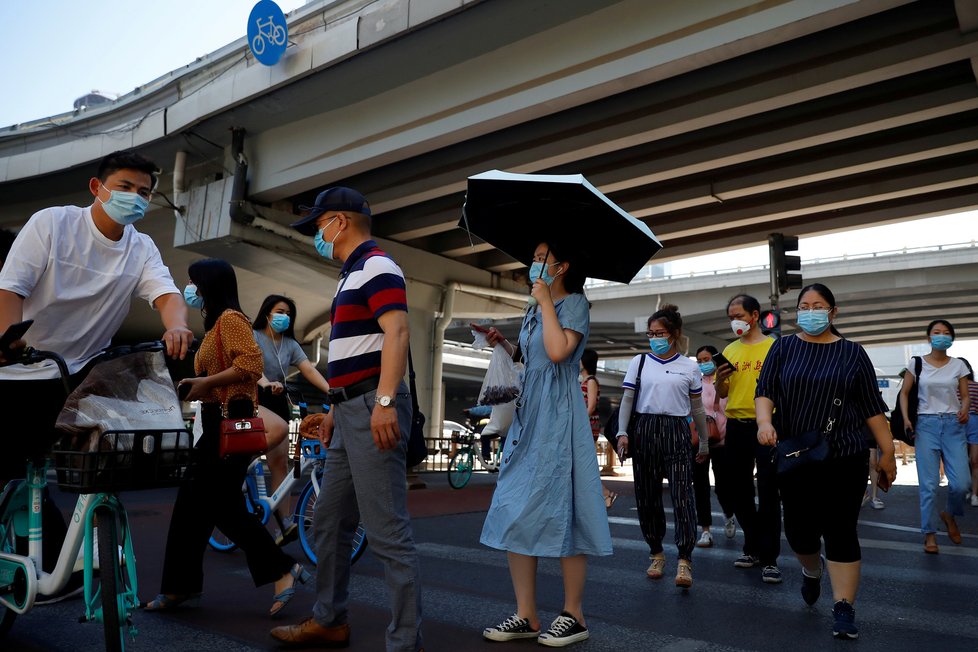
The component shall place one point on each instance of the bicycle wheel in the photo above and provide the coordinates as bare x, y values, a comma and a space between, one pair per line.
303, 516
112, 583
460, 468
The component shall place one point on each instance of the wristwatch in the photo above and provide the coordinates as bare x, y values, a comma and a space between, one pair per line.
384, 401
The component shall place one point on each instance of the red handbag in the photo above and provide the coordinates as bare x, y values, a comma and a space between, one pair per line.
244, 436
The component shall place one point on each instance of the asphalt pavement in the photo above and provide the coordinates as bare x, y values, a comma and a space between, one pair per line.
907, 601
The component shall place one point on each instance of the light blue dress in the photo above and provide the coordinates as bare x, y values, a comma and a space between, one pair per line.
548, 500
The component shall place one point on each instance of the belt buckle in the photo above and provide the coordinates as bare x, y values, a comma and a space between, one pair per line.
339, 392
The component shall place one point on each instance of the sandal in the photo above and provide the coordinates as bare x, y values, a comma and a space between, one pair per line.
610, 499
930, 546
299, 576
164, 602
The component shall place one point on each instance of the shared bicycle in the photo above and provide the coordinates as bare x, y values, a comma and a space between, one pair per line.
463, 460
98, 541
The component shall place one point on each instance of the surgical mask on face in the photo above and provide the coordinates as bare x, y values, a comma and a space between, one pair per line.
541, 270
324, 248
941, 342
813, 322
192, 298
124, 207
659, 345
739, 327
279, 322
707, 368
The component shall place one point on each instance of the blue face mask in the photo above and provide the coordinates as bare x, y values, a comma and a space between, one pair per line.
324, 248
941, 342
707, 368
659, 345
124, 207
813, 322
279, 322
540, 270
192, 298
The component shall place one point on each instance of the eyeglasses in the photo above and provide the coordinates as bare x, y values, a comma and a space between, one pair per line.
657, 333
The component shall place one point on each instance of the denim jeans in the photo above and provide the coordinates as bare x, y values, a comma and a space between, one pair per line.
940, 436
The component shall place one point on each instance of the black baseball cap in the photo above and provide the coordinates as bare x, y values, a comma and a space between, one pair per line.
337, 198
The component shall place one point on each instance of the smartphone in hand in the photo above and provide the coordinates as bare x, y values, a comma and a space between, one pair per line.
883, 481
13, 333
719, 361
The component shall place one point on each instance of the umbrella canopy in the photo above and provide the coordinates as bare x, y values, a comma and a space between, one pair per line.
516, 212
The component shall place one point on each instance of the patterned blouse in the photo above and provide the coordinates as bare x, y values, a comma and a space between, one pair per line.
240, 351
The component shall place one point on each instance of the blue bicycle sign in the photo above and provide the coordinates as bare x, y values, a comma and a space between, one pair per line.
268, 33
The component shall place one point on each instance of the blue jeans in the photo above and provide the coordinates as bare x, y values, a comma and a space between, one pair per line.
941, 436
363, 482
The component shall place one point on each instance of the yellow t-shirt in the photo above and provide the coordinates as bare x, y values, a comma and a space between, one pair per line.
747, 359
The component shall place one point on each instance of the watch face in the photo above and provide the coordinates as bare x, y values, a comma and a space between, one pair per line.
384, 401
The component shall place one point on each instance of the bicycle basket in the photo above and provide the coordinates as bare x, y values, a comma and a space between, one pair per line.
124, 461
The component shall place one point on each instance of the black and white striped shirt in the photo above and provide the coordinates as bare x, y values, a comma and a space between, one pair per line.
802, 379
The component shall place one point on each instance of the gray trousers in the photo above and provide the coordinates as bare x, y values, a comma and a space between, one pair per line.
361, 481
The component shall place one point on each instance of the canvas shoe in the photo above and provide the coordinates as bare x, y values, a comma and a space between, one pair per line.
511, 629
706, 540
771, 575
845, 621
746, 561
730, 528
563, 631
811, 587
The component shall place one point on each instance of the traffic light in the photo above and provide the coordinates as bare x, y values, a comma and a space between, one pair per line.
785, 267
771, 322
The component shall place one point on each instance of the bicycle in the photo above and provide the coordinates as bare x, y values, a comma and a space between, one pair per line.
263, 505
122, 461
462, 462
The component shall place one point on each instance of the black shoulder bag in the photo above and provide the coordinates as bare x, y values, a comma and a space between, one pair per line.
896, 416
611, 425
417, 448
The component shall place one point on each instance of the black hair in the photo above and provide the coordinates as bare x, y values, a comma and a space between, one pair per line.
709, 348
940, 321
971, 372
127, 160
826, 294
749, 303
6, 242
574, 277
669, 315
261, 319
589, 360
217, 285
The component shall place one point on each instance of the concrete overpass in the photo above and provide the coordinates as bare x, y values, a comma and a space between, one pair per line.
715, 121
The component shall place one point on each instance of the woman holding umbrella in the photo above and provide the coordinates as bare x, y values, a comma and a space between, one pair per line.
548, 499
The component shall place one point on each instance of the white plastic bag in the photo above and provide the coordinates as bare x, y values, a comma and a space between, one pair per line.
502, 382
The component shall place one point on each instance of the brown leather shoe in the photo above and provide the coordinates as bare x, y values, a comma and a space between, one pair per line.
953, 533
311, 633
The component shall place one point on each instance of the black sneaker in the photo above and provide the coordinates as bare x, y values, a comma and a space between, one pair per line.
811, 587
563, 631
746, 561
511, 629
771, 575
845, 621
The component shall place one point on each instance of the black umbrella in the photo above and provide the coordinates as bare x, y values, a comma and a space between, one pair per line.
516, 212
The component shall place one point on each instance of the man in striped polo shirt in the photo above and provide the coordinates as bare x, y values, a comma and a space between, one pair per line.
366, 429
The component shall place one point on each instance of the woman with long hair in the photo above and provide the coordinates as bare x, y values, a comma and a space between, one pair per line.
940, 434
816, 380
660, 443
275, 334
228, 364
592, 392
547, 501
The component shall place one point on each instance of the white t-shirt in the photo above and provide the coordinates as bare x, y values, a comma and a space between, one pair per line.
666, 384
938, 386
78, 284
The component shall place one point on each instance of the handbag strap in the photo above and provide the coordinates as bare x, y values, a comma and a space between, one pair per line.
638, 385
220, 359
414, 388
836, 401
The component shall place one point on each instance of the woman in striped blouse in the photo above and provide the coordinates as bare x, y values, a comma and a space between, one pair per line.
813, 378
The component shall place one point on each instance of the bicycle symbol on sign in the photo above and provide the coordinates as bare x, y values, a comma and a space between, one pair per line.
267, 30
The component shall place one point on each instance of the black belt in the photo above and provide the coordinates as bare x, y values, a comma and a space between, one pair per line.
341, 394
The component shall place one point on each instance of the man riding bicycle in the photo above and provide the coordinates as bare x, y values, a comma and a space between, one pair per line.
75, 271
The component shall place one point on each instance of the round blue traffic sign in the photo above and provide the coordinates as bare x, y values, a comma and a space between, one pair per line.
268, 33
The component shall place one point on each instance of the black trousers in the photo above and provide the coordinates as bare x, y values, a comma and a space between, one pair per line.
701, 486
211, 496
30, 409
821, 503
761, 523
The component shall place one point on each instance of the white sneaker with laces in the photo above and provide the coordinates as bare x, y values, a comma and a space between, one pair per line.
511, 629
706, 540
563, 631
730, 528
877, 504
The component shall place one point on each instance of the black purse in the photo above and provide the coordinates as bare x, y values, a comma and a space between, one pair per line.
809, 447
417, 448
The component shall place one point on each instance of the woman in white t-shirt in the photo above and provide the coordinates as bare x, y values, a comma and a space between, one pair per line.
669, 389
940, 432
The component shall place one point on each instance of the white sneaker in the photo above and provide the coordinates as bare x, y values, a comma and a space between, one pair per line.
730, 528
974, 500
877, 504
706, 540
